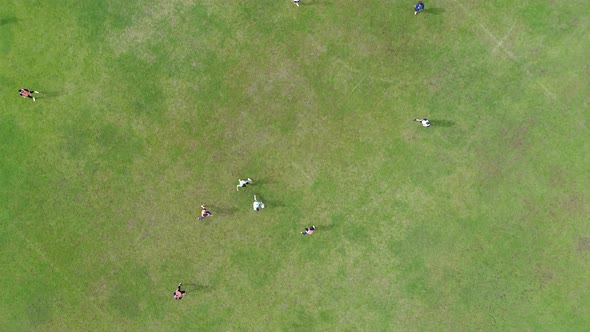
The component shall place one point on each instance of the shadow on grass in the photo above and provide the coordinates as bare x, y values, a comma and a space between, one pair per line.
323, 227
48, 94
316, 2
273, 203
435, 11
259, 182
195, 287
442, 123
224, 211
8, 20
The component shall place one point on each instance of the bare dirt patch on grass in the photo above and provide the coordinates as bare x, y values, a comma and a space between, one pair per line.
146, 25
583, 245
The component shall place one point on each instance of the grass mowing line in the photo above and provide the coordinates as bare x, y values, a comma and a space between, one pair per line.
499, 44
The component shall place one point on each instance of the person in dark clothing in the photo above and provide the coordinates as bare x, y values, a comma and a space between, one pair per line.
26, 93
418, 7
178, 293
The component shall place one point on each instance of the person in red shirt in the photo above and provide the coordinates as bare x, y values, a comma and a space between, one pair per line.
204, 212
27, 93
308, 231
178, 294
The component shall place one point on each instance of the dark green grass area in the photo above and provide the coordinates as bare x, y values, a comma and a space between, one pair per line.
150, 108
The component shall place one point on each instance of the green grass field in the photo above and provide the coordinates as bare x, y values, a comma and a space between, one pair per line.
150, 108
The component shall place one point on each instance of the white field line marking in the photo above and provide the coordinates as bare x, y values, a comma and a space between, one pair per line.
499, 44
357, 85
551, 94
40, 253
345, 65
488, 32
277, 18
300, 169
55, 268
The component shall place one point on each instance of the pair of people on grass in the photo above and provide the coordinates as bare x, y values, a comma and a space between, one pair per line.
257, 205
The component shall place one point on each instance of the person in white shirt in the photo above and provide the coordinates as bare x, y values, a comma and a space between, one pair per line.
243, 183
257, 205
425, 122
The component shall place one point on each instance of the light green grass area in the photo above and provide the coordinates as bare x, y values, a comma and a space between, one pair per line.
150, 108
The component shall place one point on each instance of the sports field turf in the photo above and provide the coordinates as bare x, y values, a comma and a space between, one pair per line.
150, 108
